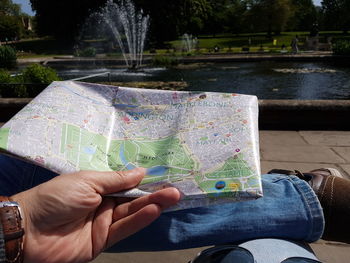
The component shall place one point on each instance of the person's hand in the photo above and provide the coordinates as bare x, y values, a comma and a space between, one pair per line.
68, 220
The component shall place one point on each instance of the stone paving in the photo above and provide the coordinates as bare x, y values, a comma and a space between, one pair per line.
302, 150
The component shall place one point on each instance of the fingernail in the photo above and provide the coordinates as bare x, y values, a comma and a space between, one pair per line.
137, 171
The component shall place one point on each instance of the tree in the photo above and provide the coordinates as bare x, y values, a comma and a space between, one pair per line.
10, 20
216, 18
169, 18
236, 12
336, 14
7, 8
304, 17
269, 15
64, 18
172, 18
224, 16
10, 27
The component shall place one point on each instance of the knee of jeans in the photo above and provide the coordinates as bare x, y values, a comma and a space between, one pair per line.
274, 178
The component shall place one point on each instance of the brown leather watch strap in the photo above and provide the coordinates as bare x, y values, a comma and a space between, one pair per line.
11, 220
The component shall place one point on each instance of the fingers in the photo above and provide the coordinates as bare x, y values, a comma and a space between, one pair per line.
131, 217
110, 182
100, 227
163, 198
133, 223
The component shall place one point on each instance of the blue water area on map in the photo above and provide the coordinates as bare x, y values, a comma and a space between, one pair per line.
89, 150
157, 170
124, 106
122, 157
136, 113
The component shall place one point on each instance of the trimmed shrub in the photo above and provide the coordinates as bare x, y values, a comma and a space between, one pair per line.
8, 57
38, 77
87, 52
341, 47
165, 61
5, 76
5, 80
11, 87
36, 73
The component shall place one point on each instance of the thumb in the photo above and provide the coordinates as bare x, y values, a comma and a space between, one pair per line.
116, 181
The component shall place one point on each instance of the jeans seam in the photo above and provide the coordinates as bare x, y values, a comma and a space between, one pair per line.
314, 208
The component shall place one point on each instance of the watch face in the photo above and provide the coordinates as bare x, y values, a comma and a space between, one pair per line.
8, 204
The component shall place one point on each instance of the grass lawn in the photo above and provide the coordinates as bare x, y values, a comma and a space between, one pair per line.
242, 40
33, 48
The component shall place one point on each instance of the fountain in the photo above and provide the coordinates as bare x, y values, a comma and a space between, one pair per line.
188, 42
129, 28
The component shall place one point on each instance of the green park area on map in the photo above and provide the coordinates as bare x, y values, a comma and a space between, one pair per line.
233, 170
166, 158
90, 151
4, 134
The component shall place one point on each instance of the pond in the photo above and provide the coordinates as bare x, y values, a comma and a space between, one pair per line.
267, 79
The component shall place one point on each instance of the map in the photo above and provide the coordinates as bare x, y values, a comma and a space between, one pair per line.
203, 143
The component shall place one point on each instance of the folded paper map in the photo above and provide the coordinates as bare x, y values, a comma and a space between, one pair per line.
203, 143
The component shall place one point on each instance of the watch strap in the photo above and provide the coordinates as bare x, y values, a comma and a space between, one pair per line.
11, 220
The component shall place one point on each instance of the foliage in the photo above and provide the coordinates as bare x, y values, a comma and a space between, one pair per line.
9, 8
36, 73
341, 47
172, 18
5, 76
165, 61
11, 21
336, 14
44, 46
10, 27
28, 83
224, 16
8, 57
269, 15
64, 18
10, 86
304, 15
36, 77
87, 52
5, 79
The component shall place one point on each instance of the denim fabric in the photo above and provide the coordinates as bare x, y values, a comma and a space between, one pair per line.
17, 176
289, 209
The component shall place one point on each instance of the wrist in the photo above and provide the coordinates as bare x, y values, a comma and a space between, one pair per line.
12, 226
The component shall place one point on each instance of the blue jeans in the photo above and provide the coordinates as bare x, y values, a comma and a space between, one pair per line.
288, 210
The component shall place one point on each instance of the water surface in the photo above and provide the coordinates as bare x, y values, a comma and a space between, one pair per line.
267, 80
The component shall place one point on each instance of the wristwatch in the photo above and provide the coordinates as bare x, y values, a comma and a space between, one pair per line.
11, 220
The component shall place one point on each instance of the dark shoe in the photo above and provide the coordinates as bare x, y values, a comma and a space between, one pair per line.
314, 177
333, 192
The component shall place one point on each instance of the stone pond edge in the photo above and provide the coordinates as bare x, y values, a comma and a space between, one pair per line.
273, 114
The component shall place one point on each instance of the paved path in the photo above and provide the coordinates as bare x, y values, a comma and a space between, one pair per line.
303, 150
